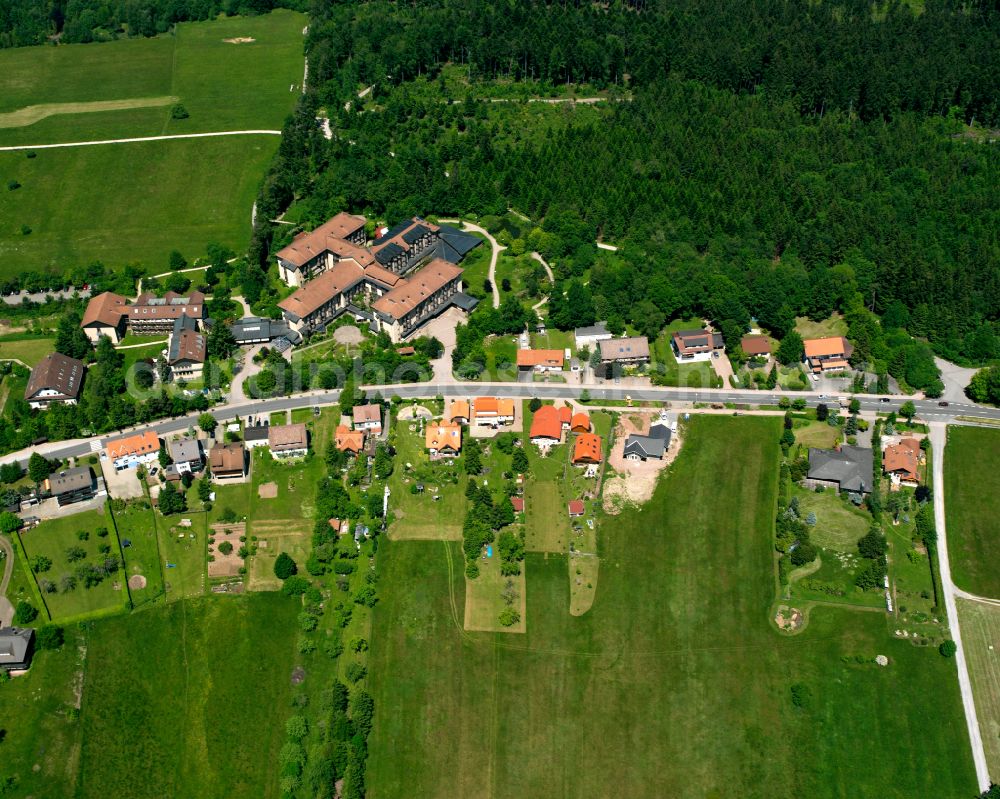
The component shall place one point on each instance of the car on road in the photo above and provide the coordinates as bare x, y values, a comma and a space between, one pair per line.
943, 404
884, 399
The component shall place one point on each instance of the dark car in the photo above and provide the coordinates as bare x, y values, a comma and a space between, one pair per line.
884, 399
942, 404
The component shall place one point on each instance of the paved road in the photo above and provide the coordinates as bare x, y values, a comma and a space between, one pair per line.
926, 409
938, 435
142, 138
6, 607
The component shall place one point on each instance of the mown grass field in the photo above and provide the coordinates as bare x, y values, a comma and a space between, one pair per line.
972, 482
188, 699
981, 637
28, 350
127, 203
676, 670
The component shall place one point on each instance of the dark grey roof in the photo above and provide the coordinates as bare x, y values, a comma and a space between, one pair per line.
185, 450
414, 233
455, 244
660, 430
388, 252
464, 301
600, 329
70, 480
649, 446
257, 432
850, 467
15, 647
255, 328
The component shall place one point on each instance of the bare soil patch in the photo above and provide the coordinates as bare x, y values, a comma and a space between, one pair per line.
226, 565
635, 481
788, 619
348, 334
136, 582
240, 40
267, 490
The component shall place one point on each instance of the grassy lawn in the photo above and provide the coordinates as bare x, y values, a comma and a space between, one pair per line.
83, 204
664, 363
553, 339
677, 658
832, 326
137, 525
476, 266
183, 550
839, 524
980, 633
52, 539
815, 434
28, 350
484, 598
972, 483
207, 717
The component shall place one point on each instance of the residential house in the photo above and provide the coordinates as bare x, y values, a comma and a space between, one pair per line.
256, 435
130, 451
105, 316
56, 379
368, 417
228, 461
349, 441
575, 508
288, 440
186, 454
71, 485
901, 461
540, 360
518, 503
188, 349
17, 646
846, 468
340, 526
632, 350
458, 412
580, 423
565, 416
492, 411
587, 449
405, 352
443, 439
756, 346
696, 345
827, 354
150, 314
589, 336
639, 447
545, 426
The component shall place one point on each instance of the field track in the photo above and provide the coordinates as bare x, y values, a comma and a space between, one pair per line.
143, 138
31, 114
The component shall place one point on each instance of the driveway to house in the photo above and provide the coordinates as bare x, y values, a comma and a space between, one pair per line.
443, 329
497, 249
237, 393
939, 437
955, 379
6, 607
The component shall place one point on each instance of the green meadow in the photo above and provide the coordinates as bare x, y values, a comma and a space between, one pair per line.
675, 683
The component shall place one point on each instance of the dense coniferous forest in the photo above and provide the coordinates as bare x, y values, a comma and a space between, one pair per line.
729, 203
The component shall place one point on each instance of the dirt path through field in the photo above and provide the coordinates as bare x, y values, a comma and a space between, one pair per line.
31, 114
6, 607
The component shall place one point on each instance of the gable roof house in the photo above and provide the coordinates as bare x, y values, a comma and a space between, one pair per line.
639, 447
312, 252
56, 378
634, 349
541, 360
130, 451
756, 346
845, 469
419, 298
188, 349
347, 440
228, 461
827, 354
368, 417
492, 411
588, 336
72, 485
105, 316
186, 454
288, 440
580, 423
587, 449
696, 345
902, 462
256, 435
17, 645
458, 412
565, 416
546, 427
442, 439
575, 507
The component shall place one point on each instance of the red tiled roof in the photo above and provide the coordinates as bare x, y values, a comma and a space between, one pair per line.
421, 285
755, 345
580, 423
576, 507
587, 448
552, 358
331, 233
518, 503
105, 309
545, 424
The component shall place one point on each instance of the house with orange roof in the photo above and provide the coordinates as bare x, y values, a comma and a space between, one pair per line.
580, 423
565, 416
545, 426
458, 412
350, 441
587, 449
443, 439
575, 508
492, 411
130, 451
540, 360
827, 354
901, 462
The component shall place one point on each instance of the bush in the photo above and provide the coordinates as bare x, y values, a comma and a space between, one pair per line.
948, 649
50, 636
25, 613
355, 672
296, 585
284, 566
225, 547
179, 112
509, 617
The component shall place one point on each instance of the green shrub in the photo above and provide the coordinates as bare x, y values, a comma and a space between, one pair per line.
948, 649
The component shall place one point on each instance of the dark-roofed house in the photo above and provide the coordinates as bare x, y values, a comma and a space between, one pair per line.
696, 345
256, 330
17, 645
653, 444
186, 454
634, 349
105, 316
228, 461
188, 349
588, 336
288, 440
256, 435
56, 378
72, 485
454, 244
846, 468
